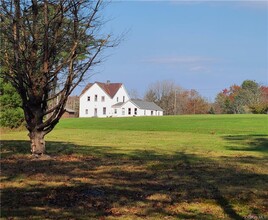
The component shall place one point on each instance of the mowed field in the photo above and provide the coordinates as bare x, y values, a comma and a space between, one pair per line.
170, 167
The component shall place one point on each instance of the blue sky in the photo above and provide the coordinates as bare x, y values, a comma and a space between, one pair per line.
200, 45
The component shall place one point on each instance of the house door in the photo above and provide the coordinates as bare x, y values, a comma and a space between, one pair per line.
95, 112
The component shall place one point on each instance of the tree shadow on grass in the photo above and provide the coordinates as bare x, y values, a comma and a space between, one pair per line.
92, 182
258, 143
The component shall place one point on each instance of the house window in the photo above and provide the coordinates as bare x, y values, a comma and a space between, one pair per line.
117, 99
86, 111
96, 98
103, 98
104, 110
135, 111
144, 112
152, 112
123, 111
88, 98
129, 111
123, 98
95, 112
115, 111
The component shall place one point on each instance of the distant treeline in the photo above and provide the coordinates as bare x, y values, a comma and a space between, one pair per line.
249, 97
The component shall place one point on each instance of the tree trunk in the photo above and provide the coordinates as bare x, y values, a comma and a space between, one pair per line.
37, 142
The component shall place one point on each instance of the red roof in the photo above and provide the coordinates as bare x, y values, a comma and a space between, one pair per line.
110, 88
86, 88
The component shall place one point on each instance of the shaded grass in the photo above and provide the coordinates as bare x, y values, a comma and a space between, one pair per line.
255, 143
116, 173
138, 185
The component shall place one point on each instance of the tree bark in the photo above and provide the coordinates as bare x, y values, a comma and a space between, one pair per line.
48, 48
37, 142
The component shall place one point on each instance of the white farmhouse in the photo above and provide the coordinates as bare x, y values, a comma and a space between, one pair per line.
112, 100
135, 107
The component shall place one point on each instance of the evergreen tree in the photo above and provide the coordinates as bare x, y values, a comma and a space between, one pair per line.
11, 114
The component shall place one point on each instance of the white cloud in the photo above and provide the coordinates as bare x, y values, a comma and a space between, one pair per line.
195, 64
178, 60
198, 68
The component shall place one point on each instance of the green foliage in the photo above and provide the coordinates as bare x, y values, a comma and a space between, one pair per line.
251, 93
11, 114
11, 118
250, 85
211, 111
261, 108
249, 97
231, 100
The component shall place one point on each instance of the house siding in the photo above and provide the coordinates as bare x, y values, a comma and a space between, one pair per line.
94, 108
140, 112
119, 105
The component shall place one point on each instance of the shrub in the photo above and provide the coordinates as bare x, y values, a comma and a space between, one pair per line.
11, 114
11, 118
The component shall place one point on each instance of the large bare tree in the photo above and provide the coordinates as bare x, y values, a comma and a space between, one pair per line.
47, 49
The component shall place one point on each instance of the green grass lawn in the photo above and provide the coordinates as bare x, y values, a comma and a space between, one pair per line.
183, 167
